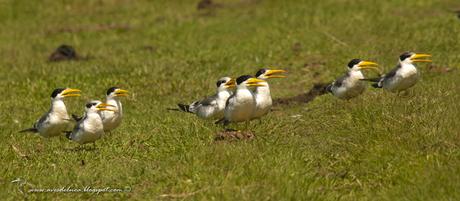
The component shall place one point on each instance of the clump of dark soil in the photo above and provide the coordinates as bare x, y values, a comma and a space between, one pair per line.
63, 53
439, 69
232, 135
205, 4
317, 90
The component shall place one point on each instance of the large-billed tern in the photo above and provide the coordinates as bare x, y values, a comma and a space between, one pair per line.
56, 120
404, 75
212, 107
262, 93
112, 118
241, 105
351, 85
90, 128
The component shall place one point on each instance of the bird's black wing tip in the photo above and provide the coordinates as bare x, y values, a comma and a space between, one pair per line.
184, 107
33, 130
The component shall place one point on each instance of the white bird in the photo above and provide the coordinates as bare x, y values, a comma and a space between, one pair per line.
56, 120
404, 75
262, 93
90, 128
112, 118
351, 84
241, 105
212, 107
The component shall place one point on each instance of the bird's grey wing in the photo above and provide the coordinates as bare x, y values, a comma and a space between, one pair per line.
42, 121
339, 81
392, 72
211, 100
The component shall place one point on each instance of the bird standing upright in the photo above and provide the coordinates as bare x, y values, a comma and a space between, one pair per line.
212, 107
404, 75
112, 118
241, 105
90, 128
351, 85
56, 120
262, 93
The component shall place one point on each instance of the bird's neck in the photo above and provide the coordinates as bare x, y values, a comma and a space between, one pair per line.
242, 91
223, 93
58, 107
356, 74
407, 65
262, 90
115, 102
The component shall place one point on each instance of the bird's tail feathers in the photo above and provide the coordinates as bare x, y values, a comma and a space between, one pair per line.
329, 88
184, 107
33, 130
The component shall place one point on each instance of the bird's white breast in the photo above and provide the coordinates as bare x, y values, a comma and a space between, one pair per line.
405, 77
112, 119
263, 101
240, 107
91, 129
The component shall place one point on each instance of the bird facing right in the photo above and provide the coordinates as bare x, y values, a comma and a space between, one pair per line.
90, 128
56, 120
112, 118
351, 85
241, 105
404, 75
212, 107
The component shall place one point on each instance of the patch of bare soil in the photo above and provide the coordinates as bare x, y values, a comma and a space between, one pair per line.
440, 69
317, 90
232, 135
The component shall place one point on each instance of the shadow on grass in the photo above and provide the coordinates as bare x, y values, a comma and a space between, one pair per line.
318, 89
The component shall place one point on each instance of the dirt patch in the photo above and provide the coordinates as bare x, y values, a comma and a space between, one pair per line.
296, 47
439, 69
63, 53
232, 135
317, 90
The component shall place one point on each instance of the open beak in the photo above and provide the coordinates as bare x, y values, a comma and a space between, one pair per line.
230, 84
274, 73
105, 106
421, 58
369, 65
71, 92
255, 82
121, 92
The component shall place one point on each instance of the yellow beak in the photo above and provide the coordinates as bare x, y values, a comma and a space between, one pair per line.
369, 65
254, 82
71, 92
421, 58
230, 84
273, 73
104, 106
121, 92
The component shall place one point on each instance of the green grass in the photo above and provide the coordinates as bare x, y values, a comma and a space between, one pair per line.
379, 146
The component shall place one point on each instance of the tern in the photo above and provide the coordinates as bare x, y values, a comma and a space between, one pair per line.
56, 120
90, 128
212, 107
262, 93
404, 75
112, 118
241, 105
351, 85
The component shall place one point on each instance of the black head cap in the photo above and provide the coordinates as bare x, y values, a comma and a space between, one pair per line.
242, 78
261, 71
56, 92
91, 104
405, 55
353, 62
220, 82
111, 89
